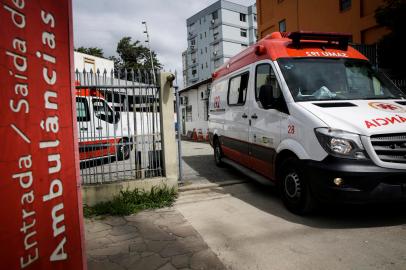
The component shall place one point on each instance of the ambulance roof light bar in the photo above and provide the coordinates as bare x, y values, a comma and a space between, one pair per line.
341, 38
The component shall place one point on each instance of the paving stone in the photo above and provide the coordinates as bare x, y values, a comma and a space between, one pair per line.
156, 246
152, 232
193, 243
114, 221
167, 266
181, 261
173, 249
205, 260
103, 265
106, 251
98, 243
124, 229
128, 261
124, 237
182, 231
96, 235
95, 226
139, 247
152, 262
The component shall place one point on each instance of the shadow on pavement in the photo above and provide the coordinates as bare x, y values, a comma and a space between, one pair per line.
204, 166
266, 198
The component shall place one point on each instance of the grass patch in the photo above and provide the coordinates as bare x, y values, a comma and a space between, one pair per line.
130, 202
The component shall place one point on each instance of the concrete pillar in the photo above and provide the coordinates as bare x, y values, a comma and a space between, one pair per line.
168, 125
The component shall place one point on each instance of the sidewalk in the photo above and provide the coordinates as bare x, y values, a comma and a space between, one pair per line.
150, 240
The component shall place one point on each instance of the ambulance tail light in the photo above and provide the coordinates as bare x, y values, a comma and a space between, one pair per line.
340, 39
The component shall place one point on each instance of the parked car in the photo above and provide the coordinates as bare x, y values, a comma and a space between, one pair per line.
309, 113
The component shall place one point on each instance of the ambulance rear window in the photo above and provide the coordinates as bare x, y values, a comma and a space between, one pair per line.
311, 79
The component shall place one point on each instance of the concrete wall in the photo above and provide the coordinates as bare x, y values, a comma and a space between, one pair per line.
301, 15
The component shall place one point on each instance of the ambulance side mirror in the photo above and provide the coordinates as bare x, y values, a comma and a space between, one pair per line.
116, 117
266, 96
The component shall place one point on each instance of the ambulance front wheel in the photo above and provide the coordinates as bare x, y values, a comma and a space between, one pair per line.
295, 190
123, 150
218, 153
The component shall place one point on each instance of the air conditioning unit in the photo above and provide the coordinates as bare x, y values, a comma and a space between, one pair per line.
192, 47
213, 21
215, 52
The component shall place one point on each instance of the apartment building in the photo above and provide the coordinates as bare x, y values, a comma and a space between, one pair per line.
215, 34
350, 16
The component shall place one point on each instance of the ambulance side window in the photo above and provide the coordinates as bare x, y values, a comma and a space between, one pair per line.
237, 90
103, 111
82, 110
267, 90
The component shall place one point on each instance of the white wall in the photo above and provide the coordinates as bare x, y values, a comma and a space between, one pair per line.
198, 109
85, 61
231, 48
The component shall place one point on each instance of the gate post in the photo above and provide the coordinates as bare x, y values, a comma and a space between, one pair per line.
166, 106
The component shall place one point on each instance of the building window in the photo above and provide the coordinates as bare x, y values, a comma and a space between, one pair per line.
237, 90
193, 42
194, 71
243, 17
255, 17
189, 113
201, 36
207, 65
206, 49
345, 5
243, 32
201, 51
215, 36
282, 26
244, 46
205, 34
202, 66
215, 15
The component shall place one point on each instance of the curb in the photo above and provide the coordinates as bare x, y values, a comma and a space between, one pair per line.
209, 186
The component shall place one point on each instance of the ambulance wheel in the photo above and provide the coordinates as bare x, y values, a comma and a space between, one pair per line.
218, 153
296, 194
123, 150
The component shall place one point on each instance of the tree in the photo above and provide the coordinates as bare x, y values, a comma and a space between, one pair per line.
95, 51
392, 15
133, 55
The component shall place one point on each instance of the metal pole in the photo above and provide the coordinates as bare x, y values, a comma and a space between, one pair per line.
180, 165
148, 41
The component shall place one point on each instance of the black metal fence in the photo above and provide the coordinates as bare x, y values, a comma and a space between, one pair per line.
118, 125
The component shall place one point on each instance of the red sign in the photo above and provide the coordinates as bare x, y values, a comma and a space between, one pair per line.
41, 221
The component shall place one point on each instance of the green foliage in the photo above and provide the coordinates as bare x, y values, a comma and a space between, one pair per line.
392, 15
95, 51
130, 202
133, 55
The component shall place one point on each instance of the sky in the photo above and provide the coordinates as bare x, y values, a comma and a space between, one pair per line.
102, 23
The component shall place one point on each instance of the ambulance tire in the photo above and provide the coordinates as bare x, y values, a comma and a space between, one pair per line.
123, 150
295, 190
218, 153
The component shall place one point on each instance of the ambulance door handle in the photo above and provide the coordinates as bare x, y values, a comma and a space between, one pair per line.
254, 116
99, 128
83, 129
244, 116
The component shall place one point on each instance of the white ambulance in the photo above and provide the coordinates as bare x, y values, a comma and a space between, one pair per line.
99, 131
309, 113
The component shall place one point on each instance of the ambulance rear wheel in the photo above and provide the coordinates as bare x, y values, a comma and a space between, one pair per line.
123, 150
218, 153
295, 190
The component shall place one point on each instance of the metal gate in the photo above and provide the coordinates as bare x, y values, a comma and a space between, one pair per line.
118, 125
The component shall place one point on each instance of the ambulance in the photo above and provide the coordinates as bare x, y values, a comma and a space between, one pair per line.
99, 131
309, 113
